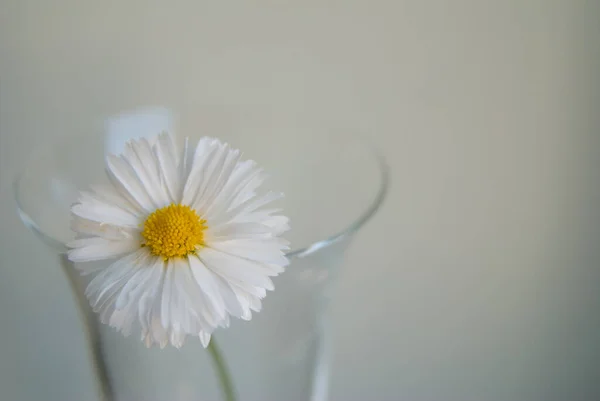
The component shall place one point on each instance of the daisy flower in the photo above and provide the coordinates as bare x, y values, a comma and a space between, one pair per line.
189, 235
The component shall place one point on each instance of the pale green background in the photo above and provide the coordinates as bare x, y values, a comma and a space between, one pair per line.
480, 278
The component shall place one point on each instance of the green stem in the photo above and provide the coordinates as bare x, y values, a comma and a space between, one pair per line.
222, 371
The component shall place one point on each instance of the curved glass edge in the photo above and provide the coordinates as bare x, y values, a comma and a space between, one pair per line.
373, 207
30, 223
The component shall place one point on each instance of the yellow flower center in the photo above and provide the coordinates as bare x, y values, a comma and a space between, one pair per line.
173, 231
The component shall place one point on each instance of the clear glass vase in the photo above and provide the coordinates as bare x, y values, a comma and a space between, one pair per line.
333, 185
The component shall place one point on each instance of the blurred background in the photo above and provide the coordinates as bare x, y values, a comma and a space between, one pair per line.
478, 280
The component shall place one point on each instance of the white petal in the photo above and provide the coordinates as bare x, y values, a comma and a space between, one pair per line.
104, 287
257, 216
177, 306
167, 157
250, 303
247, 315
196, 180
90, 207
244, 208
137, 284
187, 157
177, 338
220, 295
230, 300
158, 332
124, 176
261, 201
167, 289
90, 249
153, 287
189, 299
103, 230
244, 301
123, 193
235, 202
208, 307
235, 269
145, 166
188, 319
122, 320
230, 231
264, 250
277, 224
243, 173
106, 308
225, 323
220, 178
247, 190
111, 195
204, 338
255, 304
242, 288
211, 175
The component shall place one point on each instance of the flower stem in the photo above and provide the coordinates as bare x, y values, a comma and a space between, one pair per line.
222, 371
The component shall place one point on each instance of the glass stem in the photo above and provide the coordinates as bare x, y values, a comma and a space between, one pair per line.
222, 371
92, 335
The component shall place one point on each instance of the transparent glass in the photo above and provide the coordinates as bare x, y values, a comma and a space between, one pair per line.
333, 185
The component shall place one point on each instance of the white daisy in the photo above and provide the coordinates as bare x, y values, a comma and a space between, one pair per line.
192, 240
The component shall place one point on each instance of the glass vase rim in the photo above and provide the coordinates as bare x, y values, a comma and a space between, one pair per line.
313, 246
